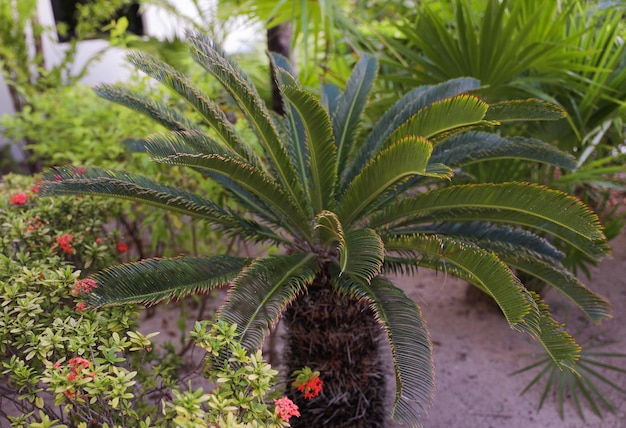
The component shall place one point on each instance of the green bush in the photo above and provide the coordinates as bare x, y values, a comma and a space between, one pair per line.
66, 365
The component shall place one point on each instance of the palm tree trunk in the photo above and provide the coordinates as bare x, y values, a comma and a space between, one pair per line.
339, 337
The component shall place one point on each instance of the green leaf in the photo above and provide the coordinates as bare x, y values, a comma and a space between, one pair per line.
119, 184
402, 160
245, 175
528, 109
263, 290
444, 116
159, 112
210, 112
350, 106
526, 204
471, 147
408, 337
154, 280
399, 113
481, 267
362, 255
215, 61
322, 152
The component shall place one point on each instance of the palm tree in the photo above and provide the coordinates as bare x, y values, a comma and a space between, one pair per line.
346, 211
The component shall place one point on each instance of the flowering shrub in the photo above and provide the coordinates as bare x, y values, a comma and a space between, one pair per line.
64, 365
308, 382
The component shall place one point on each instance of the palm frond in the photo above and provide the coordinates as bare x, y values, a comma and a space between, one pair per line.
350, 105
154, 280
399, 113
485, 269
443, 116
213, 59
410, 344
402, 160
247, 176
362, 255
558, 277
209, 111
471, 147
561, 347
529, 109
156, 110
119, 184
263, 290
525, 204
322, 159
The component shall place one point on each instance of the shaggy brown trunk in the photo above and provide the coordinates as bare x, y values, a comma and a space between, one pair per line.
338, 337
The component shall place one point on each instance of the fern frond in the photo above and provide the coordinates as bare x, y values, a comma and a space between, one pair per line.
154, 280
402, 160
119, 184
322, 153
209, 111
157, 111
263, 290
472, 147
213, 59
486, 269
411, 347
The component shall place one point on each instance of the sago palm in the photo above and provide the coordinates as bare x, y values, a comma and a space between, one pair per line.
348, 212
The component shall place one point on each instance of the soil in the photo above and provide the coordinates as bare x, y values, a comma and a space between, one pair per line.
475, 353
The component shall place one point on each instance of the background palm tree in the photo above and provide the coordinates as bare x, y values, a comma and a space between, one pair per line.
346, 210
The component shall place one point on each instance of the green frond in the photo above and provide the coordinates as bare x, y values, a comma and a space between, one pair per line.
330, 230
471, 147
207, 54
155, 110
558, 277
349, 107
296, 132
400, 161
443, 116
119, 184
247, 176
410, 344
322, 159
523, 204
263, 290
209, 111
399, 113
492, 237
488, 272
154, 280
362, 255
190, 142
529, 109
561, 347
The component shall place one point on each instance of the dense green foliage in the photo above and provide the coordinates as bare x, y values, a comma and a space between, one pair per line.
348, 209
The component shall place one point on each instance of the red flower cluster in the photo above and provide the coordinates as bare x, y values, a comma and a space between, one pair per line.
19, 199
65, 243
76, 365
81, 306
121, 247
285, 408
311, 388
84, 286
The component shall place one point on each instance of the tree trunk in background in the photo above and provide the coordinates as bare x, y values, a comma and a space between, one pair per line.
339, 337
279, 41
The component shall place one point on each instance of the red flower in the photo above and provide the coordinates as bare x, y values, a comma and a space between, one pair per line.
81, 306
34, 189
98, 240
69, 394
285, 408
84, 286
121, 247
311, 388
65, 242
56, 365
19, 199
